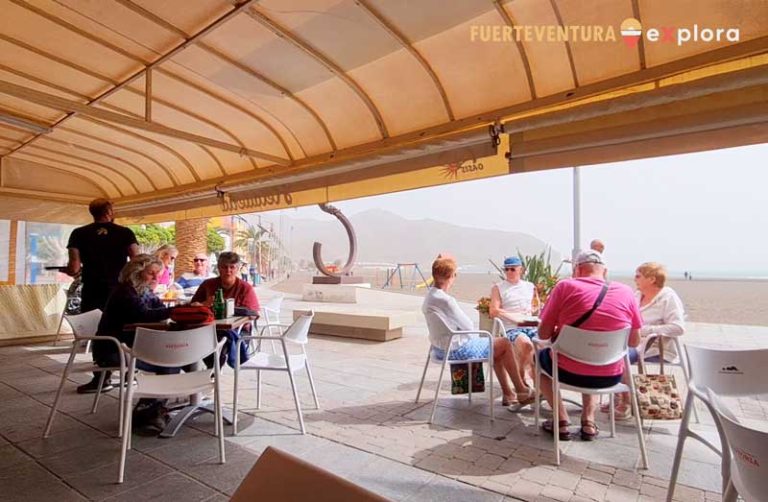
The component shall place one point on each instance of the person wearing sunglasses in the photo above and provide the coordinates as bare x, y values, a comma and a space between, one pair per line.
510, 299
200, 272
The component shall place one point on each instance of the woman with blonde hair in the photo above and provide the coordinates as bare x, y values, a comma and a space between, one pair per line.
663, 314
133, 301
439, 302
167, 254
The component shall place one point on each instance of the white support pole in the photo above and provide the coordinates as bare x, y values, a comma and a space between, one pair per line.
576, 213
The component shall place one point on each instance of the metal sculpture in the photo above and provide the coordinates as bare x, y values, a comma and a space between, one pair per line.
345, 274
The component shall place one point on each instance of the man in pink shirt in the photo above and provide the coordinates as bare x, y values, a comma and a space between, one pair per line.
570, 300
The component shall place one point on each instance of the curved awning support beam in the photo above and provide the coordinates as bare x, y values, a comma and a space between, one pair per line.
317, 247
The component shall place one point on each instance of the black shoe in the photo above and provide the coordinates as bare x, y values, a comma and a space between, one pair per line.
93, 386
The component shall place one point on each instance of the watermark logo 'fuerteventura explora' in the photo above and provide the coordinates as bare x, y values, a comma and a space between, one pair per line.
631, 31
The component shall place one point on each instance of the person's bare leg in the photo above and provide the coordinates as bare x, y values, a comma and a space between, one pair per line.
589, 405
499, 350
546, 389
524, 353
504, 355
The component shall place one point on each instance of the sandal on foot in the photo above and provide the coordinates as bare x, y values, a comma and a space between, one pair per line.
509, 401
527, 398
586, 435
549, 427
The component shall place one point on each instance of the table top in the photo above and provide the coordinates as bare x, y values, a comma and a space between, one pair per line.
221, 324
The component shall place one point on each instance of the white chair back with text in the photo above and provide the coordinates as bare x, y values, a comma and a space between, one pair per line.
85, 324
174, 348
728, 372
749, 455
595, 348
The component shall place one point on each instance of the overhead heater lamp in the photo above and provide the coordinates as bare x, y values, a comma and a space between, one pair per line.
24, 124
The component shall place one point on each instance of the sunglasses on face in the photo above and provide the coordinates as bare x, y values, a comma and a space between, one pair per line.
201, 260
509, 269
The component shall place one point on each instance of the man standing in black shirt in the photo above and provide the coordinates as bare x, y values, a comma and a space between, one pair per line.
99, 251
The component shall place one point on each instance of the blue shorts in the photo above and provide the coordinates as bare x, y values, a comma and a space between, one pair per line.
589, 381
513, 333
474, 348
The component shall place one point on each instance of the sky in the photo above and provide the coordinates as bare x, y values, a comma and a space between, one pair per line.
703, 212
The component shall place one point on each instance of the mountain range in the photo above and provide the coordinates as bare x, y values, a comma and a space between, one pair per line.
386, 238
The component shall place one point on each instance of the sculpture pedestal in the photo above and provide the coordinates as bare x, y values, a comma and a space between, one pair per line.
331, 293
344, 279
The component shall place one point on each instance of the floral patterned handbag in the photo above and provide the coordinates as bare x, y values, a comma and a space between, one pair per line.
460, 378
658, 397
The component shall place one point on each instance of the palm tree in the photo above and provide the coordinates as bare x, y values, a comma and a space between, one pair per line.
250, 240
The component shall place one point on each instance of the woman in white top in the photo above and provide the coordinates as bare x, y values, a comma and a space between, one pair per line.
439, 302
514, 297
663, 314
661, 308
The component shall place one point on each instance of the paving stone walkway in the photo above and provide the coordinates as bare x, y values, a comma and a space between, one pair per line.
369, 430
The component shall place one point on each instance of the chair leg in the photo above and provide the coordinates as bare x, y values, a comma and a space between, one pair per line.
61, 323
258, 389
611, 403
218, 416
469, 381
537, 391
682, 435
730, 494
555, 414
437, 389
686, 374
102, 377
296, 400
639, 425
64, 374
490, 389
121, 404
424, 374
312, 384
126, 442
234, 403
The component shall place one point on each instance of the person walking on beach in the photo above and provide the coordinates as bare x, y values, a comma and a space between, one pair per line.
98, 252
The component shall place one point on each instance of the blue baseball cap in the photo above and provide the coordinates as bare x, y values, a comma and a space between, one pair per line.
512, 261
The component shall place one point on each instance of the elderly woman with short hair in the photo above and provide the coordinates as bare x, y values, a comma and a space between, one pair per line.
439, 302
663, 314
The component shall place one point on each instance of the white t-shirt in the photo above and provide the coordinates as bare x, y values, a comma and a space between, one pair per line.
441, 303
665, 315
516, 298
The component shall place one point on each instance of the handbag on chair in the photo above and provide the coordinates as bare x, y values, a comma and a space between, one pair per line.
460, 378
658, 397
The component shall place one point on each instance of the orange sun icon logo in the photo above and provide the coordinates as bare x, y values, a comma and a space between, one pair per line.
631, 31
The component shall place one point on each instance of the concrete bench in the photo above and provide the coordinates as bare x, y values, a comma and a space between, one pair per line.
368, 324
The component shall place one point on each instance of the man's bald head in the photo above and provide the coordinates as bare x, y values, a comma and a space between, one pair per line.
597, 245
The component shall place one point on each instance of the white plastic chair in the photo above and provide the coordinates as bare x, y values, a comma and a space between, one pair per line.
84, 328
435, 323
296, 333
728, 373
270, 315
173, 349
595, 348
748, 456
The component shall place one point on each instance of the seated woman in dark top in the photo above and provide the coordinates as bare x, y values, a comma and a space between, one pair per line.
133, 301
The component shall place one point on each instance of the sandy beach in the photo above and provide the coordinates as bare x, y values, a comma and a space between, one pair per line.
713, 301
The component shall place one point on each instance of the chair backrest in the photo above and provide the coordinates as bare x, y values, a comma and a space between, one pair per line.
174, 348
498, 328
728, 372
436, 324
298, 332
271, 309
749, 453
85, 324
596, 348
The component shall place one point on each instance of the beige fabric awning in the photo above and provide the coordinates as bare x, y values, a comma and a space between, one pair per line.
170, 108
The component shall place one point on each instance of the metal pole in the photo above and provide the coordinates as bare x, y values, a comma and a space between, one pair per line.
576, 213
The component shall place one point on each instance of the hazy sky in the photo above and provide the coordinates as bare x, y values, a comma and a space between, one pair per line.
703, 212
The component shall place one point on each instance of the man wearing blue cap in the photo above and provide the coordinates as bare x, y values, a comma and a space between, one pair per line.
511, 298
